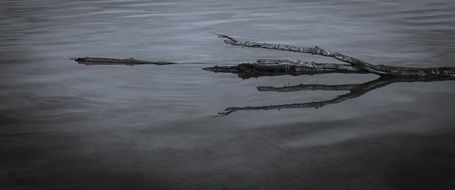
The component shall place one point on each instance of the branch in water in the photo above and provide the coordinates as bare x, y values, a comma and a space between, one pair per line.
382, 70
275, 67
341, 87
112, 61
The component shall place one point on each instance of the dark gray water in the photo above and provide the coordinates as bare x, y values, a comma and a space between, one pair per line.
69, 126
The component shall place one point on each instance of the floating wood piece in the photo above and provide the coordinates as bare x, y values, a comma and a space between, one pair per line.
275, 67
112, 61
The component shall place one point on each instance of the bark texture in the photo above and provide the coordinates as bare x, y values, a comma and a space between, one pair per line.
359, 65
274, 67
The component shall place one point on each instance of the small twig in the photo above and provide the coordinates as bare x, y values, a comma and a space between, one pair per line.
225, 36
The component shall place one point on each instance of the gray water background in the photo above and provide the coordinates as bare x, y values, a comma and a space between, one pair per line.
65, 125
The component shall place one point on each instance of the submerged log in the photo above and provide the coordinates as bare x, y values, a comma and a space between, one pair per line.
112, 61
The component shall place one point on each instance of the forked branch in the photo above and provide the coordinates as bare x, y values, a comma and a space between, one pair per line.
381, 70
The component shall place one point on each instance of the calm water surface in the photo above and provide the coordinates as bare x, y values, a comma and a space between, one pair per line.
65, 125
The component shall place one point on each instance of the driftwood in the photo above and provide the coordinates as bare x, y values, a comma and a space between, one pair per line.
112, 61
274, 67
298, 67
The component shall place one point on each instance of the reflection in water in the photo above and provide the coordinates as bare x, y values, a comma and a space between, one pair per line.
355, 90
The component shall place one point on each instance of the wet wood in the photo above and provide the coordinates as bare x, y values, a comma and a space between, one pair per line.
275, 67
382, 70
112, 61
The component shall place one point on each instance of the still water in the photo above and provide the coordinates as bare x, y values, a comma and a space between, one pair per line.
65, 125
